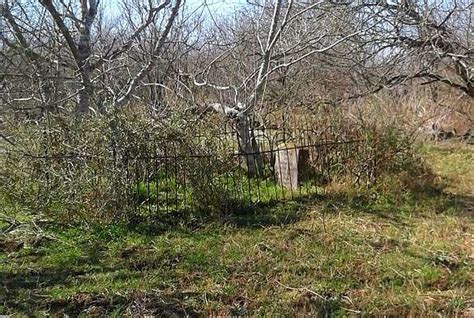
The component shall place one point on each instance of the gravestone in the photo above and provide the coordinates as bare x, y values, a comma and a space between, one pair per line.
286, 166
291, 165
304, 167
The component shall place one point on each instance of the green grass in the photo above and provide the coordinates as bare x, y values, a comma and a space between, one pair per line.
342, 252
163, 194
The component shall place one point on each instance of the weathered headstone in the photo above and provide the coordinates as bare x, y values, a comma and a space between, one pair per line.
286, 166
291, 165
304, 166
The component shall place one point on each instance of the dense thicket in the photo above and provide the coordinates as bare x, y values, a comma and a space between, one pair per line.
81, 80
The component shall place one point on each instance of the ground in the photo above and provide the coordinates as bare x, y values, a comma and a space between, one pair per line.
339, 253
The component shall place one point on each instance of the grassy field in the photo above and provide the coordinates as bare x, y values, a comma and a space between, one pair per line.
342, 253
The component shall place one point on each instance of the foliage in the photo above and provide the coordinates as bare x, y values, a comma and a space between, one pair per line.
128, 164
349, 251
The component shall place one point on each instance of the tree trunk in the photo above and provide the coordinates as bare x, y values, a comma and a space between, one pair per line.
85, 94
248, 146
84, 52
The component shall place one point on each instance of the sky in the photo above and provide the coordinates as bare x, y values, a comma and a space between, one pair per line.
215, 6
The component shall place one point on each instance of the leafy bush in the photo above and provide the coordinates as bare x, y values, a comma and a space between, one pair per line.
115, 166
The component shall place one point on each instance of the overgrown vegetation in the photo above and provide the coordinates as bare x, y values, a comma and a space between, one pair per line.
171, 159
389, 250
128, 165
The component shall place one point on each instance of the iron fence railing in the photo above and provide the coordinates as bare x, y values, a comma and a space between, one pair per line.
168, 183
167, 180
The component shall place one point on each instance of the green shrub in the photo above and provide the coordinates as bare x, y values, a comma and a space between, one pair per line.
104, 167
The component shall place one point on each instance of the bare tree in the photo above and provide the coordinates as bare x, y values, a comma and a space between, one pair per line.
35, 30
418, 39
240, 59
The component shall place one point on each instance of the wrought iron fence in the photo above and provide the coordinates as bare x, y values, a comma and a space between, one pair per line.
167, 183
170, 180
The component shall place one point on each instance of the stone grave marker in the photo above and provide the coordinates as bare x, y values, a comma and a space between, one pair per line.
291, 165
286, 166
